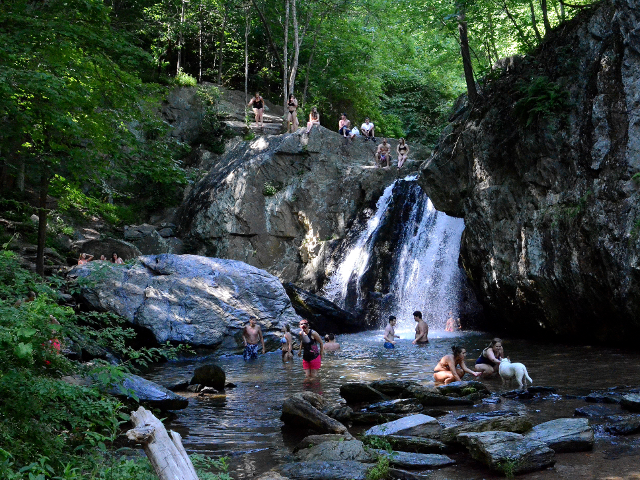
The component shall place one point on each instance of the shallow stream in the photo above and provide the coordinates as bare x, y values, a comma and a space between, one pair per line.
244, 423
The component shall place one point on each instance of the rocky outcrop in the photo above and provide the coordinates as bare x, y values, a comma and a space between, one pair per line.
542, 169
285, 203
190, 299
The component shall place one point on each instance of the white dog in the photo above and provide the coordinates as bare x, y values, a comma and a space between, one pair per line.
510, 370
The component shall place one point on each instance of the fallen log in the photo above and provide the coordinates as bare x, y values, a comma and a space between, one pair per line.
164, 450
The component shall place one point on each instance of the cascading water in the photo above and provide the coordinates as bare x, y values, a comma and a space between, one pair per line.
422, 270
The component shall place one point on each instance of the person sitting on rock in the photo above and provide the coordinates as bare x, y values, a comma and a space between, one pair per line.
258, 109
84, 259
353, 133
403, 151
314, 119
330, 344
383, 154
367, 129
251, 335
343, 125
451, 367
116, 259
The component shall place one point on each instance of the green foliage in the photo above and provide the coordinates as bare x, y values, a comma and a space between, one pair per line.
212, 131
183, 79
380, 470
508, 467
270, 189
380, 443
541, 98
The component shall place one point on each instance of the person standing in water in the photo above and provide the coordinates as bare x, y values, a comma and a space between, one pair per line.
453, 324
489, 360
330, 344
252, 334
311, 344
452, 368
390, 333
287, 344
422, 329
258, 109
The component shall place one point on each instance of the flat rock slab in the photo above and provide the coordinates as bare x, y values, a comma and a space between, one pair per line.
429, 399
406, 443
345, 470
333, 450
631, 402
603, 397
507, 423
623, 424
414, 425
508, 452
394, 388
564, 434
462, 388
149, 393
401, 405
416, 460
595, 411
313, 440
361, 393
364, 418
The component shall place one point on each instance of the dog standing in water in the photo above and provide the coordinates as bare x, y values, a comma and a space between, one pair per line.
510, 370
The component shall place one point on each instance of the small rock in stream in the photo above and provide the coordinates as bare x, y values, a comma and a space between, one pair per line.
209, 375
333, 450
414, 425
355, 392
416, 460
313, 440
403, 405
631, 402
623, 424
345, 470
595, 411
505, 423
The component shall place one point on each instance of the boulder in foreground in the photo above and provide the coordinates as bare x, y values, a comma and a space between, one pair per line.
564, 434
298, 412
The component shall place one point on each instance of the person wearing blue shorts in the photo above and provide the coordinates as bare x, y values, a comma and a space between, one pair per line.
390, 333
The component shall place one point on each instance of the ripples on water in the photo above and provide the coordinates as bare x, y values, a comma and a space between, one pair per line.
244, 423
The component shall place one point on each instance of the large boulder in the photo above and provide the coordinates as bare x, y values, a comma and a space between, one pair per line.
284, 203
564, 434
508, 453
210, 375
323, 314
542, 167
190, 299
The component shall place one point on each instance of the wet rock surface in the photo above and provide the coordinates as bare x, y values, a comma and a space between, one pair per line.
622, 424
319, 470
413, 425
406, 443
333, 450
564, 434
549, 203
416, 460
300, 413
148, 393
361, 393
210, 375
313, 440
631, 402
507, 423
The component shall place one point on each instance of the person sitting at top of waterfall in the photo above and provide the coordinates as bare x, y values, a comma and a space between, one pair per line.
353, 133
422, 329
452, 368
403, 151
489, 360
258, 109
84, 258
367, 129
292, 116
330, 344
343, 125
390, 333
314, 119
251, 335
383, 153
453, 324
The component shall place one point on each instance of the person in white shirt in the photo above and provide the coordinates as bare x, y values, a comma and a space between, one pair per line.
367, 129
353, 133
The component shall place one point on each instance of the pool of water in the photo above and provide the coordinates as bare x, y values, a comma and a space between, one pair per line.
244, 422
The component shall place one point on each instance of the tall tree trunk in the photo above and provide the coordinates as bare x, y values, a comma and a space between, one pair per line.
222, 42
272, 44
545, 16
246, 54
42, 221
466, 56
200, 43
533, 22
180, 39
296, 48
285, 54
521, 34
306, 77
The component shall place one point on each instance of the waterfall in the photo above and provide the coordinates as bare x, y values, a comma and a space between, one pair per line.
421, 271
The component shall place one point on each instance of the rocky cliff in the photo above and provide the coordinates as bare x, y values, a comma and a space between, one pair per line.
544, 171
284, 203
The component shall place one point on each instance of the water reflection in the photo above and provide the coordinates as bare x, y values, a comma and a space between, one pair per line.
244, 423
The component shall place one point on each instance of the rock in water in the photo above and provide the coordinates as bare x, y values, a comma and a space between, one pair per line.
187, 298
510, 423
416, 460
631, 402
414, 425
355, 392
564, 434
210, 375
149, 393
318, 470
298, 412
333, 450
623, 424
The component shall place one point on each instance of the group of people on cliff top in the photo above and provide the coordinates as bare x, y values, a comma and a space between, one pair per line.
451, 367
85, 258
345, 128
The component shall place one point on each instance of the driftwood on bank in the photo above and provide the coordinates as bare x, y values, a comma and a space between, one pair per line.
164, 450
